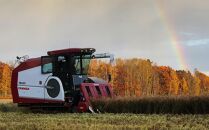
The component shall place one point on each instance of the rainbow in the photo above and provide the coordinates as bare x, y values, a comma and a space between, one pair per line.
175, 40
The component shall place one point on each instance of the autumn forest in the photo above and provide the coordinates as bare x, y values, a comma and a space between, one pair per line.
139, 77
135, 77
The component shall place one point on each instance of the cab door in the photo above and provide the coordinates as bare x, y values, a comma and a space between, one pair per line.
53, 90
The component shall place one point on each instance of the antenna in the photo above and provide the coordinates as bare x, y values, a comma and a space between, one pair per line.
69, 43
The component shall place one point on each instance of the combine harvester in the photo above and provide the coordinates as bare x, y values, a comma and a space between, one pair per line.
59, 80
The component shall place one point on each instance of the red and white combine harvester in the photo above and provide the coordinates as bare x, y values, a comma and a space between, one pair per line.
59, 80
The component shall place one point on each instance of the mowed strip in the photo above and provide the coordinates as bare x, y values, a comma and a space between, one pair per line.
66, 121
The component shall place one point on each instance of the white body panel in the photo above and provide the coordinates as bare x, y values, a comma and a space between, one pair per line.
31, 84
31, 92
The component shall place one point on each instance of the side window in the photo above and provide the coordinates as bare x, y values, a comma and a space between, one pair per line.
77, 64
88, 91
108, 90
46, 65
98, 91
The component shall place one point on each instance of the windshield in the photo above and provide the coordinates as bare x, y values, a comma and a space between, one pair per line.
82, 64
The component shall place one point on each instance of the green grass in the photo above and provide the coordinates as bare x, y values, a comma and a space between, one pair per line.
19, 119
31, 121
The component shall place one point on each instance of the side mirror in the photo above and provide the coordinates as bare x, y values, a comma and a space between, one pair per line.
109, 77
18, 58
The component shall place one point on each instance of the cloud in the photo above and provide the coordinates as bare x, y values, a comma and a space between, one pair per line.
197, 42
127, 28
196, 57
187, 33
206, 72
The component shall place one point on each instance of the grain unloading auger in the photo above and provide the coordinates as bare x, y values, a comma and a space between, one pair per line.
59, 80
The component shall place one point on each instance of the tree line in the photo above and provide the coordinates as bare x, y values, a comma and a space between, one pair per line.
134, 77
141, 77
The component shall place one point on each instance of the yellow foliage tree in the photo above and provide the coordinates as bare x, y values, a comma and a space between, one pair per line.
174, 83
185, 87
5, 80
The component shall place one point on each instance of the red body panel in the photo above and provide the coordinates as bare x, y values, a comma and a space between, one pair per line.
82, 107
32, 100
68, 51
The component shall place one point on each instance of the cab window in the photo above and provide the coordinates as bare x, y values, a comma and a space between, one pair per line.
46, 65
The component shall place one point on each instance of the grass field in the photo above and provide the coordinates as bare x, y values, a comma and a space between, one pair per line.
14, 118
5, 100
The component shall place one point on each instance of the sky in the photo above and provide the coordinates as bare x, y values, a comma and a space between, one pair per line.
168, 32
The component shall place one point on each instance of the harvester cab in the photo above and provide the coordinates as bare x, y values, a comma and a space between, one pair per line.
59, 79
